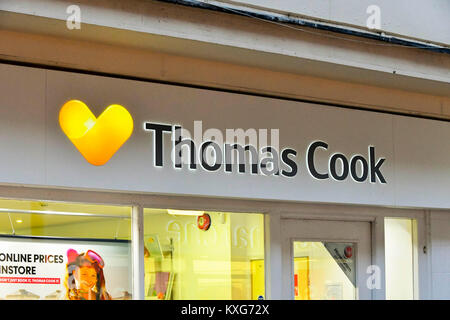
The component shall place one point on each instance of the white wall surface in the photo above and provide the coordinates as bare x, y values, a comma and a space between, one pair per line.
86, 55
440, 254
51, 160
399, 259
185, 31
427, 20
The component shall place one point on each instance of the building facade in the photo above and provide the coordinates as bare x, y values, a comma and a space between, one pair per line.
224, 150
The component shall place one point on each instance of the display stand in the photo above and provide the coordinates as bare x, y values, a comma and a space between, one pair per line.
159, 277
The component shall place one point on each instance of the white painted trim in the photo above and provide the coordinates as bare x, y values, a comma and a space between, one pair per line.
272, 259
137, 249
425, 259
415, 262
378, 255
285, 208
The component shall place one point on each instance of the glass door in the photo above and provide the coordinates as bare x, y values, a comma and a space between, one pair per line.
324, 270
325, 260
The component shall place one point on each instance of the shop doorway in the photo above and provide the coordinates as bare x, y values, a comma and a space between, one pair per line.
325, 260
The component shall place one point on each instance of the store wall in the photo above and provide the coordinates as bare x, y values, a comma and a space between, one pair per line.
31, 99
440, 255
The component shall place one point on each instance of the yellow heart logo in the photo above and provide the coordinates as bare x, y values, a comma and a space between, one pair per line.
97, 139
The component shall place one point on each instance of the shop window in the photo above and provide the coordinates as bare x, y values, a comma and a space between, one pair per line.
203, 255
400, 258
57, 251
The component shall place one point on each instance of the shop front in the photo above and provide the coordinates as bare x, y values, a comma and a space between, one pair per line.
116, 188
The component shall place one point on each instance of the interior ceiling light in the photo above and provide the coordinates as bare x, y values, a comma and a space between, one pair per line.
62, 213
185, 212
19, 221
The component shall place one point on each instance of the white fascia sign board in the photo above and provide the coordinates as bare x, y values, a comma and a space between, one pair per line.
323, 153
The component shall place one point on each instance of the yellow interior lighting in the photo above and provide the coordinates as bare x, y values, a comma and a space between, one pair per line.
185, 212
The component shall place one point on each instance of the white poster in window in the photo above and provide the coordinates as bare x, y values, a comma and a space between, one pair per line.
41, 269
343, 255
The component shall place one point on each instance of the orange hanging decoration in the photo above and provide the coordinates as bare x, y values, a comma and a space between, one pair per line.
204, 222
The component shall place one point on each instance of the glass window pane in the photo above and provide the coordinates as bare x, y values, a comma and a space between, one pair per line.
68, 220
324, 270
187, 259
52, 250
399, 258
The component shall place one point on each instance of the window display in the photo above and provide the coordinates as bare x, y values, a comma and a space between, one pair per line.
55, 251
203, 255
68, 251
